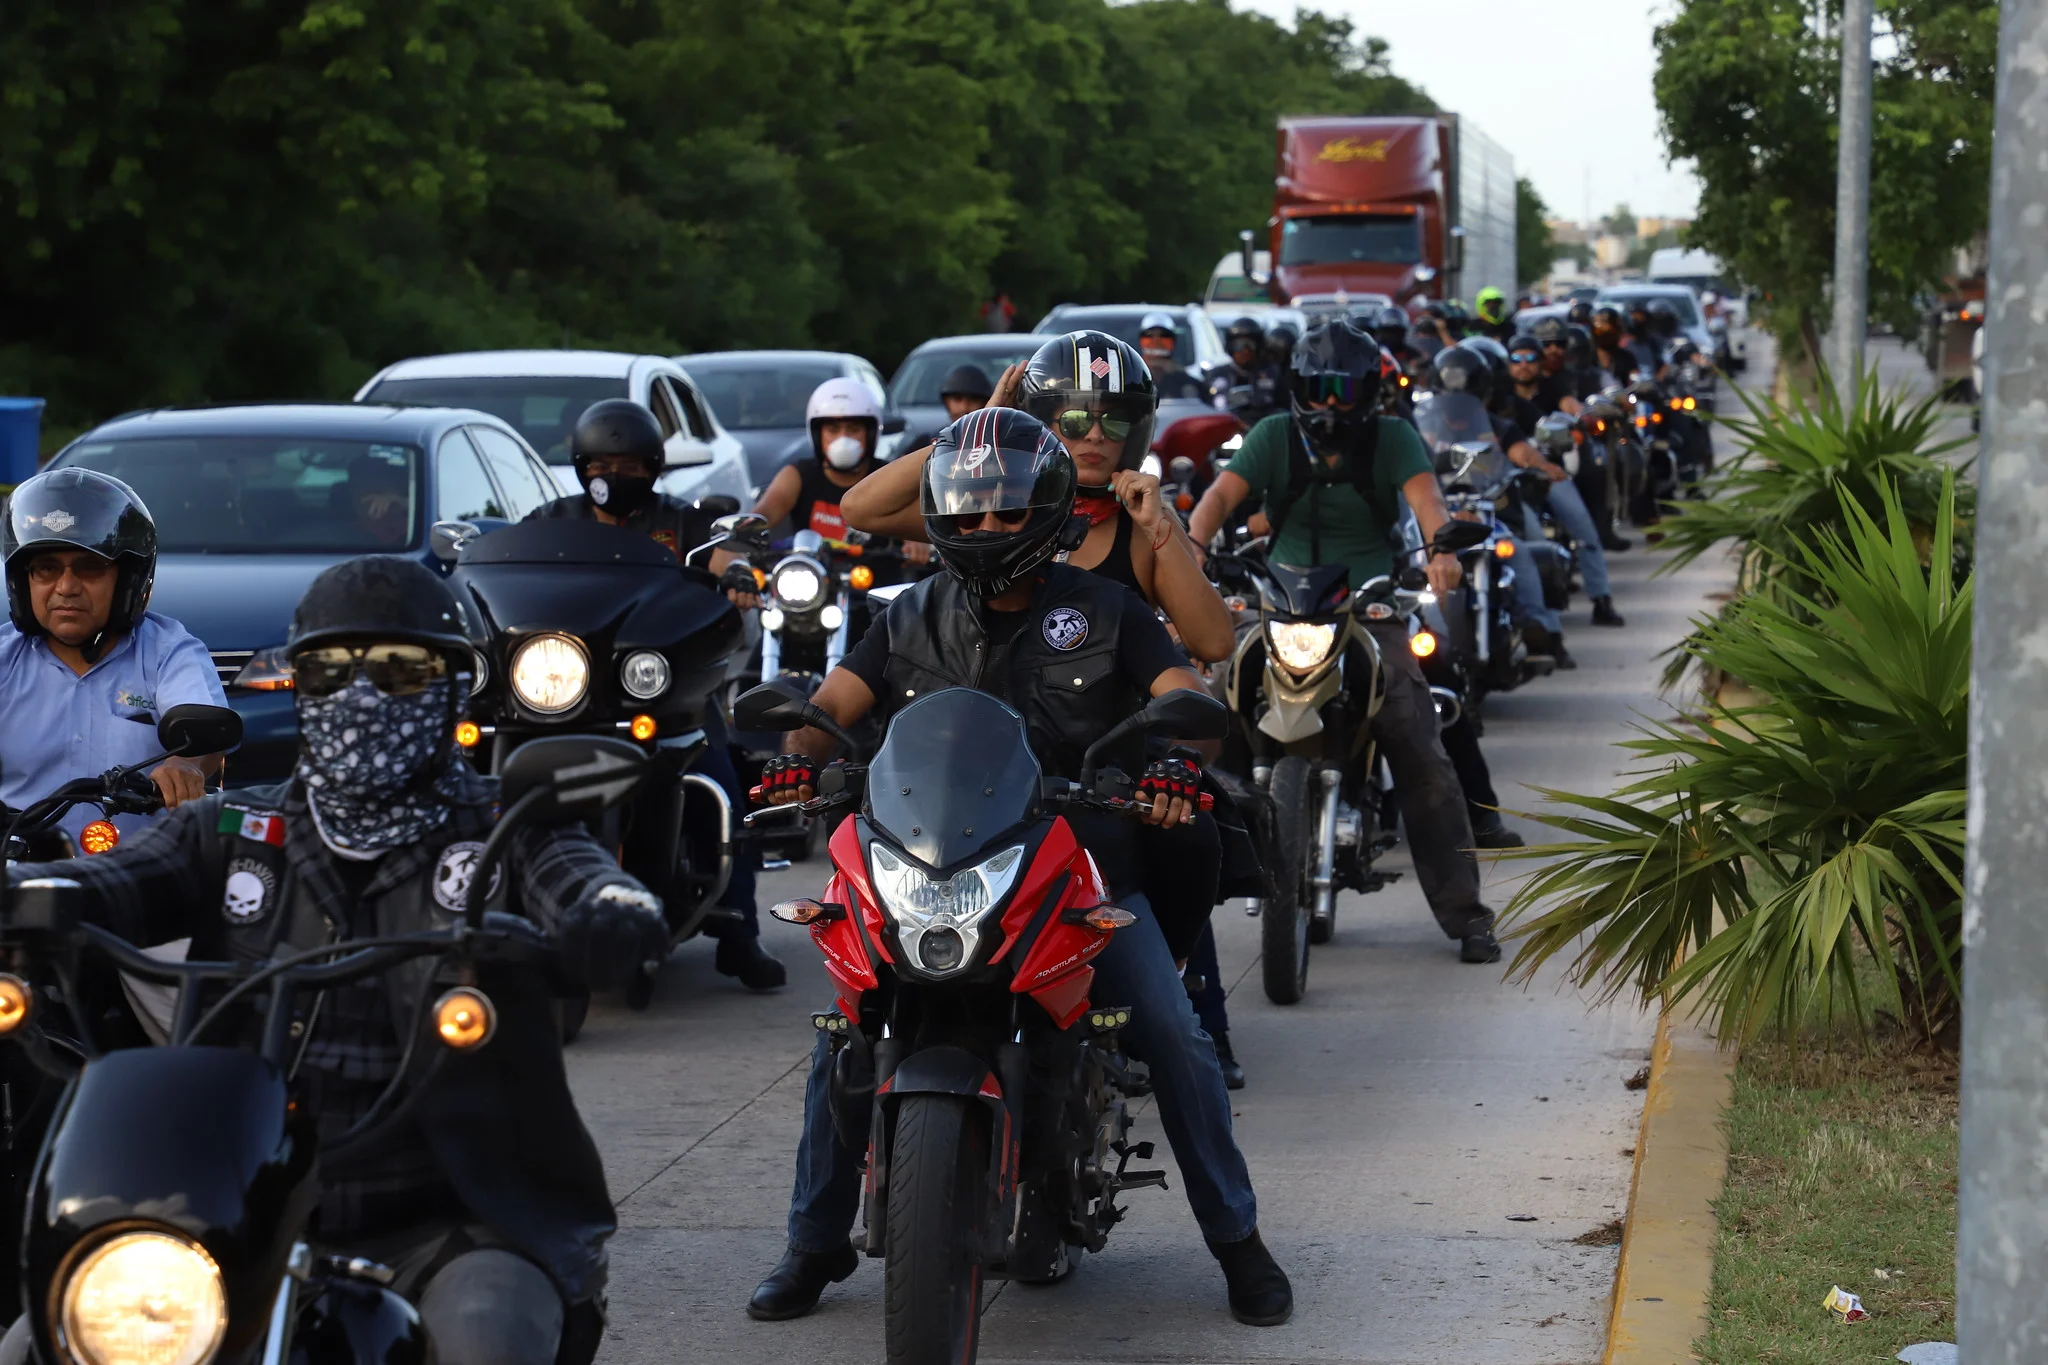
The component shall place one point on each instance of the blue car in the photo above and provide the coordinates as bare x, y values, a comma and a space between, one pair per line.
251, 503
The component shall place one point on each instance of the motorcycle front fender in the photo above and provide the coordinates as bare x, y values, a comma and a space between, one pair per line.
1295, 714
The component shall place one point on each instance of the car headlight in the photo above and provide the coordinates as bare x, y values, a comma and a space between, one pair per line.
938, 921
550, 673
797, 586
144, 1298
644, 675
1301, 645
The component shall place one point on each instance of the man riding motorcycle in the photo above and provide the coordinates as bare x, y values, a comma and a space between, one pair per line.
1492, 308
965, 388
85, 667
1255, 382
1611, 351
617, 453
500, 1244
1331, 475
997, 494
846, 424
1157, 338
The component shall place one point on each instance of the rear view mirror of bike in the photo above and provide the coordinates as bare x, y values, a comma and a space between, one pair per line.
194, 729
747, 528
572, 776
1454, 536
1187, 714
446, 538
771, 706
718, 504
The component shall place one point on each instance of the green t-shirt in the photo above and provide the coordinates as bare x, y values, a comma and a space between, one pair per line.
1350, 529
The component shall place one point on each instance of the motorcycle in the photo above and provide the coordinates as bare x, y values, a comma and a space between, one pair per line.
969, 1061
169, 1210
1188, 455
1308, 710
1690, 393
582, 628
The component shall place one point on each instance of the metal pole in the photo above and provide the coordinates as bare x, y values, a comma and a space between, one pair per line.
1852, 198
2002, 1245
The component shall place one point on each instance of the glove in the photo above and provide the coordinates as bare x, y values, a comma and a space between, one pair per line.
1174, 775
739, 577
607, 937
787, 773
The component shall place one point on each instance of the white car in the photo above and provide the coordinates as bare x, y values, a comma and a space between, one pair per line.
542, 393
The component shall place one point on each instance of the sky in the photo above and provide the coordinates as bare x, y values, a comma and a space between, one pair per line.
1564, 87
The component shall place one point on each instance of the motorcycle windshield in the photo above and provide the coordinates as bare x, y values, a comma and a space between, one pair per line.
954, 771
1450, 421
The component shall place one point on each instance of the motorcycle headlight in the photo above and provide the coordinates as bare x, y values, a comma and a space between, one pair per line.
644, 675
550, 673
1300, 645
797, 586
144, 1298
938, 921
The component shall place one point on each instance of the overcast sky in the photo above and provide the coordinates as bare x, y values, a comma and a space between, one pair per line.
1565, 87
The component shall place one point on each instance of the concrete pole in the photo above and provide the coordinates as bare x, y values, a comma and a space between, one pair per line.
1852, 199
2002, 1247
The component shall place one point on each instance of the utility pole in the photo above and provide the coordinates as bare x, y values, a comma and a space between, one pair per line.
2002, 1243
1852, 199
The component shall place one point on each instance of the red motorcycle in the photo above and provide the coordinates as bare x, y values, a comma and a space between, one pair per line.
969, 1062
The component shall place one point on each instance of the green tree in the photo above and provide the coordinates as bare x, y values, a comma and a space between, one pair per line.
1620, 223
1535, 248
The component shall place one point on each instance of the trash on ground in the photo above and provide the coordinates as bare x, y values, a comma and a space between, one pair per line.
1930, 1353
1639, 1081
1844, 1305
1521, 1218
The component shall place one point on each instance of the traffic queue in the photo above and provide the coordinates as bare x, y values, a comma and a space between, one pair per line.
353, 747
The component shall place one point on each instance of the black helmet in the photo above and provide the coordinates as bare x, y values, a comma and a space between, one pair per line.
1639, 316
616, 426
1280, 339
1578, 345
1554, 435
996, 460
1663, 318
1390, 327
1523, 341
1337, 359
1580, 314
967, 381
1244, 332
1460, 369
382, 597
1549, 331
81, 509
1606, 315
1496, 361
1096, 372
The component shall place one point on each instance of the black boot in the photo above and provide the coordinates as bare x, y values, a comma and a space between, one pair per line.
1604, 613
746, 959
792, 1288
1233, 1074
1259, 1293
1481, 947
1615, 544
1490, 831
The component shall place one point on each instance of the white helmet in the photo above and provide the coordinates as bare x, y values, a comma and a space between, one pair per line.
842, 400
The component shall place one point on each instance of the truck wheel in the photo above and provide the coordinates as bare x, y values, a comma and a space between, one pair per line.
1283, 923
931, 1284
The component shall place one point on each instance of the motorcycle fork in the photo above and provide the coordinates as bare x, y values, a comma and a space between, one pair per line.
835, 647
771, 655
1482, 609
1325, 882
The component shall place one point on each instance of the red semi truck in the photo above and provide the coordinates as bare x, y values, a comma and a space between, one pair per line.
1414, 207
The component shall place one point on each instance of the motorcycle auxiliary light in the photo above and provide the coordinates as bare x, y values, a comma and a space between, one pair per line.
99, 837
797, 586
551, 673
1503, 549
642, 728
468, 734
1301, 645
862, 578
17, 1002
644, 675
832, 618
771, 619
465, 1019
938, 919
1422, 644
144, 1296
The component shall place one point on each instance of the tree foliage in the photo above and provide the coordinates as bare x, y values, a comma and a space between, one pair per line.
1747, 89
206, 200
1535, 248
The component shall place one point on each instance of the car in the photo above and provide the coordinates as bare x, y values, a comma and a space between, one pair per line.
760, 396
1197, 349
1692, 324
252, 503
542, 393
914, 388
1232, 294
1526, 319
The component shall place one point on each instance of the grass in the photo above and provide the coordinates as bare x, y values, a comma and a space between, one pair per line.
1842, 1164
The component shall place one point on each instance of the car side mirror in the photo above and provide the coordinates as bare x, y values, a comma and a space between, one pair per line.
1187, 714
894, 424
1455, 536
446, 538
194, 728
577, 776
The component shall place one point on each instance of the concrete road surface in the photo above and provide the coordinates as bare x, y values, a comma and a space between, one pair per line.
1427, 1142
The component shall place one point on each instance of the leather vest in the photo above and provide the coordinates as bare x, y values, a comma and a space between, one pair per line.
1059, 670
500, 1120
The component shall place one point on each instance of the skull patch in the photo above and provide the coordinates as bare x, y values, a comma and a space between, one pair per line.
454, 873
250, 888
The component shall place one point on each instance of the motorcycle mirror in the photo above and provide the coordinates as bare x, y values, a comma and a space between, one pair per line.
578, 776
446, 538
741, 526
194, 728
781, 706
1187, 714
1455, 536
894, 424
718, 504
1414, 578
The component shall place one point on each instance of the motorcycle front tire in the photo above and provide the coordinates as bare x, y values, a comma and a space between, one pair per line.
1283, 922
931, 1284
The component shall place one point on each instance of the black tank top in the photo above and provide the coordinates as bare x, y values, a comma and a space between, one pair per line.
1116, 565
817, 502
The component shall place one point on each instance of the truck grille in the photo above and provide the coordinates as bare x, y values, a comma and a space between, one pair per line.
228, 662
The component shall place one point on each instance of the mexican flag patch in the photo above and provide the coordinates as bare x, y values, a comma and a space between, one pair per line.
263, 828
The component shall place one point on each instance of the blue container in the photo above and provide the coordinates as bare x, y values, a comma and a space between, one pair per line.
21, 427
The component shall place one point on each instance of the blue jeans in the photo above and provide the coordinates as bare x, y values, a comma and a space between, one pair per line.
1528, 592
1136, 970
1570, 510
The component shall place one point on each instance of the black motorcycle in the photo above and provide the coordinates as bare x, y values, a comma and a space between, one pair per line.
583, 628
168, 1213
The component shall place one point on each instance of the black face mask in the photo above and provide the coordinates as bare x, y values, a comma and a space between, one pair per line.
621, 495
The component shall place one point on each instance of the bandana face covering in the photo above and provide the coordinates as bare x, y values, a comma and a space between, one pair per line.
360, 753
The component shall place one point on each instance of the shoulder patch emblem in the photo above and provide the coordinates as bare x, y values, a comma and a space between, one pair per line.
455, 871
1065, 628
250, 889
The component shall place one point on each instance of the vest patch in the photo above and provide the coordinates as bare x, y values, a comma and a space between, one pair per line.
262, 826
251, 887
1065, 628
455, 871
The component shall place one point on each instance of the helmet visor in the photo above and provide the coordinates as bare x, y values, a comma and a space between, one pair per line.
975, 469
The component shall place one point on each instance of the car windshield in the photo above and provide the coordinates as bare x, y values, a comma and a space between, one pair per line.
919, 379
543, 407
1236, 289
1681, 304
757, 393
228, 495
1339, 238
1121, 323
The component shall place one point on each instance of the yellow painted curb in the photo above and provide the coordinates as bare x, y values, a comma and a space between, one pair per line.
1666, 1273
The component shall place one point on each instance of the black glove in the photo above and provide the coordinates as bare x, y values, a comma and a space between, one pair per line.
739, 577
1175, 775
607, 937
787, 773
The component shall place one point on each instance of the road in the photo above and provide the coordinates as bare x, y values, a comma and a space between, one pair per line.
1427, 1141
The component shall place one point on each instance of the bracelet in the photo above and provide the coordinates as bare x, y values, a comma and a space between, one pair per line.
1163, 532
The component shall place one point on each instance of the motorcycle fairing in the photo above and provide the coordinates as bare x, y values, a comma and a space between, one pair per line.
1305, 593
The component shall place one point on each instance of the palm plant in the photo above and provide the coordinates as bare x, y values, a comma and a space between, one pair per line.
1777, 860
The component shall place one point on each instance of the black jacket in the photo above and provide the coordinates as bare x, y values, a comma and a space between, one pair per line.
681, 526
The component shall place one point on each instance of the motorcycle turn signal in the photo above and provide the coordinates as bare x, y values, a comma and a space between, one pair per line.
17, 1002
465, 1019
1104, 917
804, 910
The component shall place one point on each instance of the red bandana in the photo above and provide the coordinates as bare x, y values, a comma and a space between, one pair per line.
1096, 505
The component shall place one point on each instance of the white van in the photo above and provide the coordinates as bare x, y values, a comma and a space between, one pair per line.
1703, 271
1233, 296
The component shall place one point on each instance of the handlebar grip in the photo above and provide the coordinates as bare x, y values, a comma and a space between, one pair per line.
1208, 801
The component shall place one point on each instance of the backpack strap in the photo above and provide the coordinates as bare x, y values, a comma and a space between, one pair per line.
1303, 471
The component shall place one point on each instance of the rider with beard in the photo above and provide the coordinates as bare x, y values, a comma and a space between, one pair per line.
1332, 474
997, 498
500, 1244
1610, 345
1557, 380
617, 453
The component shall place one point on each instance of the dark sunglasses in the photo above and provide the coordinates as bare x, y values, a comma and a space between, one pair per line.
1525, 357
962, 523
1327, 388
395, 670
1076, 423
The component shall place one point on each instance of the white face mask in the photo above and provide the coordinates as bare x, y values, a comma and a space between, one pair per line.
844, 452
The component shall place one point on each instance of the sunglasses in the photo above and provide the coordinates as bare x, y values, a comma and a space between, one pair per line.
1327, 388
1076, 423
962, 523
395, 670
1525, 357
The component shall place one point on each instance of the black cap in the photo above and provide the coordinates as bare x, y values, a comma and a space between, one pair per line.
380, 597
